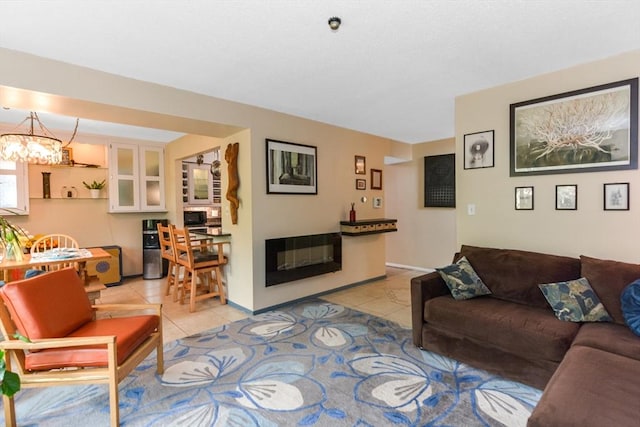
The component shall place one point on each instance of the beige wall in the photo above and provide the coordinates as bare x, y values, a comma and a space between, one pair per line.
35, 83
426, 237
588, 230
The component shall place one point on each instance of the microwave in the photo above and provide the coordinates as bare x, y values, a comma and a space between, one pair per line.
195, 218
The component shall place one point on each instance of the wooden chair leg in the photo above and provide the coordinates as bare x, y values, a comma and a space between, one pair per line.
171, 278
9, 411
178, 285
193, 292
223, 298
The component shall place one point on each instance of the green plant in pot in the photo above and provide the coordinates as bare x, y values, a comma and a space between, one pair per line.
10, 236
94, 187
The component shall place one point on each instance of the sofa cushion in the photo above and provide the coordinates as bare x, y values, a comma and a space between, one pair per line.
608, 279
529, 332
630, 303
50, 305
514, 275
130, 332
591, 387
575, 301
611, 337
462, 280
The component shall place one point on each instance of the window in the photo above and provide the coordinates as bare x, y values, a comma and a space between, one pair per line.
14, 186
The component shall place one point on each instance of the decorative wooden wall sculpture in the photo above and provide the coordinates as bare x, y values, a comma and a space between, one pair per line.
231, 156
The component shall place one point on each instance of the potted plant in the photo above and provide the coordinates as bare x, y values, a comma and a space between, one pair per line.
10, 235
95, 187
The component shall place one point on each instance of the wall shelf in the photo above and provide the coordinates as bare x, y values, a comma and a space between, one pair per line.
368, 226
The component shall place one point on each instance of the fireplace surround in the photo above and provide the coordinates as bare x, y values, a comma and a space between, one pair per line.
293, 258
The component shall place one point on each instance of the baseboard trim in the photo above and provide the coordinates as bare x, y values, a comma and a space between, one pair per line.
409, 267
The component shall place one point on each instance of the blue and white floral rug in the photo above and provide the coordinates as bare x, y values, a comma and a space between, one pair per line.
310, 364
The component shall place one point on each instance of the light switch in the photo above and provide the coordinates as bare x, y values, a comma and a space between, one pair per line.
471, 209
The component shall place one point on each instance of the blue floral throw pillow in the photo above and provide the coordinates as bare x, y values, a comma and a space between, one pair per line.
575, 301
630, 301
462, 280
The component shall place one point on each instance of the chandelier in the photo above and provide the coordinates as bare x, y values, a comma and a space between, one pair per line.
31, 147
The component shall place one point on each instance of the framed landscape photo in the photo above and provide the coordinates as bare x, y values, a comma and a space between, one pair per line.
291, 168
524, 198
361, 184
478, 150
376, 179
566, 197
616, 197
587, 130
361, 165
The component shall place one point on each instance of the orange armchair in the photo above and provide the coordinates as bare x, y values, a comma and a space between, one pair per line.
54, 312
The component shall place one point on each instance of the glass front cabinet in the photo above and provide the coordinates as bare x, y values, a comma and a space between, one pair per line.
136, 178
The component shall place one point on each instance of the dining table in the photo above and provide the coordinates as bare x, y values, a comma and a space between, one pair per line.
79, 258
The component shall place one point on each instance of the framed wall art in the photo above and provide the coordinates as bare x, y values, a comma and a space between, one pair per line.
291, 168
616, 196
67, 157
478, 150
360, 165
524, 198
593, 129
566, 197
361, 184
440, 181
376, 179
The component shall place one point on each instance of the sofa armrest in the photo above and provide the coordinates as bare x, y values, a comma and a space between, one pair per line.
423, 288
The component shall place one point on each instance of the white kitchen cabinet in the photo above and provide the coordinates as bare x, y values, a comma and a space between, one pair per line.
136, 178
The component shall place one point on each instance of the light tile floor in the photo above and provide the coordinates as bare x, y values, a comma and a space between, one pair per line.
389, 298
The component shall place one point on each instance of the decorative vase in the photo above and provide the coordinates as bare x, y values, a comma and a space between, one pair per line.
352, 213
13, 250
95, 193
46, 185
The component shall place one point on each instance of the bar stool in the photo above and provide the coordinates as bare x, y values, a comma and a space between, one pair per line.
168, 252
202, 259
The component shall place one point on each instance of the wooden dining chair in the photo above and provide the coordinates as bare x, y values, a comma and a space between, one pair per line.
202, 261
168, 251
54, 241
66, 344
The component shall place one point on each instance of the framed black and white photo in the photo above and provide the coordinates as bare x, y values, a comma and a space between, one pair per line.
566, 197
360, 165
586, 130
478, 150
616, 196
361, 184
524, 198
291, 168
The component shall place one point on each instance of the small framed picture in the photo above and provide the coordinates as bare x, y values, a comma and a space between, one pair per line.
524, 198
376, 179
478, 150
566, 197
361, 165
67, 156
361, 184
616, 196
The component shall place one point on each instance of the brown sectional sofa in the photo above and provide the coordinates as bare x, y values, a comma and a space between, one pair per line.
590, 372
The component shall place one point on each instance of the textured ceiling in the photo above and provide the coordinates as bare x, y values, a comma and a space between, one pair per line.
393, 68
